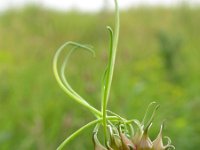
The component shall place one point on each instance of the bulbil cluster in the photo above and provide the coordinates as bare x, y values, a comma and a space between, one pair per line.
122, 136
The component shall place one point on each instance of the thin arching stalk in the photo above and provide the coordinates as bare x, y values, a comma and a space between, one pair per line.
75, 134
111, 64
66, 89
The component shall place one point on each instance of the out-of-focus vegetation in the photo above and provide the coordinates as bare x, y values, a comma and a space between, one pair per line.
157, 60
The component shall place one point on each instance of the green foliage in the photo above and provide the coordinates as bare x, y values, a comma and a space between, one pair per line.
169, 49
120, 135
29, 94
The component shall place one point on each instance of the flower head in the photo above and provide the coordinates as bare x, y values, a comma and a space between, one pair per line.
122, 138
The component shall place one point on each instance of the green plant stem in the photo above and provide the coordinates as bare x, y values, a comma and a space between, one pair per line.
67, 90
112, 113
111, 65
64, 79
71, 137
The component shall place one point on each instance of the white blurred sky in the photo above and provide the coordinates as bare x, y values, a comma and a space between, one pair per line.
88, 5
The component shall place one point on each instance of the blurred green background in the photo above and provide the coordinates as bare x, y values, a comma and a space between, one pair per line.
157, 60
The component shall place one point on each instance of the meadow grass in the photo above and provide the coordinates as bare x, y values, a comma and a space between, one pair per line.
36, 114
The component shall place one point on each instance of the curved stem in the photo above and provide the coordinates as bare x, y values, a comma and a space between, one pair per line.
77, 133
147, 110
66, 89
71, 137
62, 72
63, 76
112, 113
